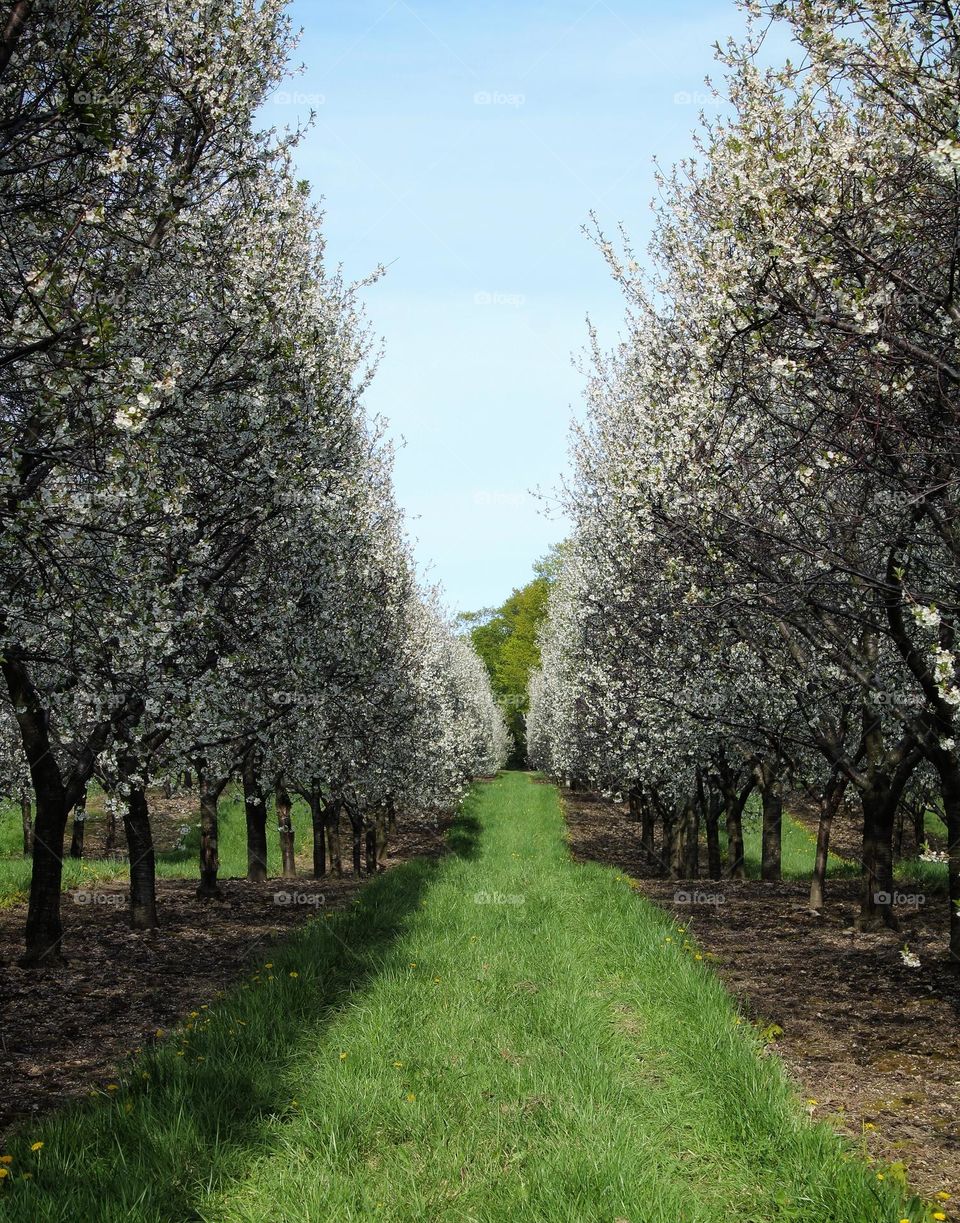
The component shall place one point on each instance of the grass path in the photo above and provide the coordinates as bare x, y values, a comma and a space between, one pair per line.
503, 1035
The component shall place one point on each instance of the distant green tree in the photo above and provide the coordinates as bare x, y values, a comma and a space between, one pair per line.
505, 637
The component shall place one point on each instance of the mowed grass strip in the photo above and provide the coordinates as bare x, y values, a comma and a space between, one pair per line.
500, 1035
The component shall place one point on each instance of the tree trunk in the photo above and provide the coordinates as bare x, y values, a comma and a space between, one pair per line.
876, 890
950, 787
44, 930
382, 838
647, 846
26, 816
829, 806
734, 803
669, 836
712, 818
684, 861
285, 825
318, 820
209, 831
371, 845
110, 836
255, 808
143, 886
772, 835
333, 837
391, 821
919, 827
79, 825
767, 780
356, 825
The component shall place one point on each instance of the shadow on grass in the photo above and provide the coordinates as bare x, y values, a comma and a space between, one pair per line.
198, 1107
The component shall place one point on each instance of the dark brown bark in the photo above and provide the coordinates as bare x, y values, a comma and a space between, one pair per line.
950, 789
44, 930
391, 821
284, 806
79, 826
712, 818
767, 780
647, 845
110, 813
12, 29
356, 827
734, 801
210, 791
382, 838
143, 874
26, 819
255, 809
333, 837
371, 846
829, 806
318, 820
876, 886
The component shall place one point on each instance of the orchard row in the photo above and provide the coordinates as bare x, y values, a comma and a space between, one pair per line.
204, 568
761, 590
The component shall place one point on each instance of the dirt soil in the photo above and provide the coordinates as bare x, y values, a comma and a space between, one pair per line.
871, 1044
65, 1031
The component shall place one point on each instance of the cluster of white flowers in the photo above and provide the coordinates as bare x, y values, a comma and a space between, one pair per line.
760, 588
201, 556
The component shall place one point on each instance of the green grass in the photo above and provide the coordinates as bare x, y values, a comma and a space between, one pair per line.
799, 848
501, 1035
171, 863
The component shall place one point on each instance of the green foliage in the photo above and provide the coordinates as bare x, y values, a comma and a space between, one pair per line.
506, 639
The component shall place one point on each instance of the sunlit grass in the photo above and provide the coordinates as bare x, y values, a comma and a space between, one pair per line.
502, 1035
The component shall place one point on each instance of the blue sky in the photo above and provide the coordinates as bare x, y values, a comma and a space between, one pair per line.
464, 144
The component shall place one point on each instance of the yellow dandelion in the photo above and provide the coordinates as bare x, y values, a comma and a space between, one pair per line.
413, 963
938, 1215
36, 1146
411, 1096
268, 966
6, 1159
160, 1033
398, 1065
698, 956
294, 974
4, 1172
436, 980
879, 1176
944, 1197
868, 1125
113, 1087
344, 1056
812, 1103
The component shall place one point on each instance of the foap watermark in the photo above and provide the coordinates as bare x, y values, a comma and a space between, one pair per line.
696, 897
306, 900
297, 97
513, 300
497, 898
495, 97
897, 700
906, 900
106, 900
694, 97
